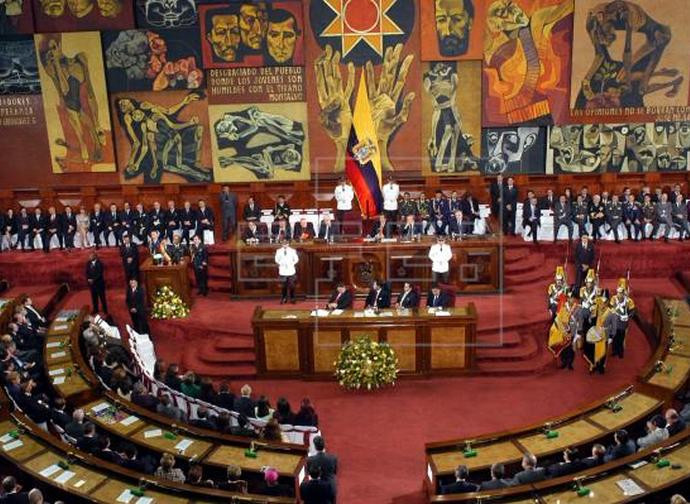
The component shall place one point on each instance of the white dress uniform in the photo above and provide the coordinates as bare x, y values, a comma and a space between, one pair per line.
286, 258
440, 255
343, 197
391, 193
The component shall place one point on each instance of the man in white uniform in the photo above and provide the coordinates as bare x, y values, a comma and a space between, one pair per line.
286, 259
391, 193
343, 199
440, 254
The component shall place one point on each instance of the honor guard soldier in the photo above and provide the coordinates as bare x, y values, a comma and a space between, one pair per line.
286, 258
407, 206
557, 291
589, 294
623, 308
562, 331
343, 198
595, 347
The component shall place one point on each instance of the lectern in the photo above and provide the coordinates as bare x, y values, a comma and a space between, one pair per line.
172, 275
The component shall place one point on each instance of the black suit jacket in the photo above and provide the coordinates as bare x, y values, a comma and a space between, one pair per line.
136, 300
326, 462
94, 271
60, 418
187, 218
285, 234
297, 233
458, 487
244, 406
510, 196
15, 498
68, 220
584, 255
37, 222
527, 214
248, 234
384, 298
333, 231
130, 251
249, 213
316, 492
443, 301
410, 301
387, 232
344, 302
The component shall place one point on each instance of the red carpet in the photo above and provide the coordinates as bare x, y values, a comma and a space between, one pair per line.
386, 430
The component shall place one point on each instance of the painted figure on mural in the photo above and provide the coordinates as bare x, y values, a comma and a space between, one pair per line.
281, 37
70, 75
167, 13
506, 149
160, 141
223, 33
448, 147
624, 80
53, 8
10, 11
454, 20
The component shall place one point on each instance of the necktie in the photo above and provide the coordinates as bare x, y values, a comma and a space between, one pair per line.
435, 300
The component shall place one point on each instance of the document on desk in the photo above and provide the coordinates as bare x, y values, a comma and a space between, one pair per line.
126, 496
386, 314
337, 312
320, 313
152, 433
144, 500
55, 372
65, 477
55, 355
6, 438
289, 316
184, 444
49, 471
629, 487
100, 407
53, 344
358, 314
11, 446
129, 420
442, 313
59, 380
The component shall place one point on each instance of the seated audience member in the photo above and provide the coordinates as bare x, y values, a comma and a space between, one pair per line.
282, 208
75, 428
35, 407
272, 432
252, 234
172, 378
497, 480
142, 398
530, 472
456, 224
283, 412
271, 486
674, 422
437, 298
571, 464
381, 229
225, 398
251, 211
222, 422
460, 485
89, 441
341, 299
189, 385
167, 408
378, 296
36, 497
131, 460
244, 405
167, 470
195, 476
678, 499
159, 370
407, 298
202, 420
106, 453
280, 230
12, 492
410, 228
656, 432
622, 447
263, 410
233, 482
315, 490
208, 392
328, 230
597, 458
205, 219
243, 428
58, 414
306, 416
304, 230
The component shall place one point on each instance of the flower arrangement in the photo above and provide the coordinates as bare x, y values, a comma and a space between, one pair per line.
167, 304
365, 363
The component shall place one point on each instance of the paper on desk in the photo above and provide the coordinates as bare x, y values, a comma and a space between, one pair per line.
184, 444
100, 407
53, 344
6, 438
59, 380
125, 496
11, 446
49, 471
359, 314
57, 354
629, 487
79, 483
431, 311
153, 433
386, 314
289, 316
65, 477
144, 500
337, 312
319, 313
129, 420
442, 314
55, 372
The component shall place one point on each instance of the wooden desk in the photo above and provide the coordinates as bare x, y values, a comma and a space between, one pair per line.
29, 447
634, 407
477, 266
675, 374
604, 491
285, 463
504, 451
654, 477
112, 489
174, 276
295, 343
73, 384
90, 479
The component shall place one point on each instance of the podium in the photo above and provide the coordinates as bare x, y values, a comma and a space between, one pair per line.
172, 275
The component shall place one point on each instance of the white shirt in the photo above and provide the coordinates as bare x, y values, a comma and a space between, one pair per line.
286, 259
344, 196
391, 192
440, 255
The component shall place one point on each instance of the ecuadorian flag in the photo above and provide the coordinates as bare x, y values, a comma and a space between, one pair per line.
363, 159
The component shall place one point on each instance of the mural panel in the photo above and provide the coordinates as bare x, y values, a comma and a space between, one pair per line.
75, 101
80, 15
18, 66
452, 29
165, 13
266, 142
16, 16
513, 150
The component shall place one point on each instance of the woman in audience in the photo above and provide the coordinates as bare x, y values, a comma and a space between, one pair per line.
168, 471
263, 410
159, 370
166, 407
189, 385
83, 223
195, 476
306, 415
271, 485
172, 378
234, 482
120, 382
283, 412
272, 432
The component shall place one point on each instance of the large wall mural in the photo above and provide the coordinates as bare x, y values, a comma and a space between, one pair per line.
193, 91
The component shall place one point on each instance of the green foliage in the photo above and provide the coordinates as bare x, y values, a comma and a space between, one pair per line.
366, 364
167, 305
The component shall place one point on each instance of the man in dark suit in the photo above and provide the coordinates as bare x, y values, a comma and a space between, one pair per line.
130, 257
205, 219
175, 250
224, 398
510, 198
531, 218
407, 298
437, 298
547, 202
37, 225
127, 219
58, 414
326, 463
341, 299
410, 228
304, 230
460, 485
457, 224
112, 225
281, 230
171, 218
251, 210
187, 216
584, 259
89, 441
597, 458
141, 397
97, 224
96, 281
571, 464
200, 264
53, 224
252, 233
315, 490
12, 493
622, 447
440, 214
68, 225
497, 480
470, 211
562, 216
327, 228
496, 192
378, 296
202, 420
228, 211
381, 228
244, 405
156, 219
136, 304
530, 472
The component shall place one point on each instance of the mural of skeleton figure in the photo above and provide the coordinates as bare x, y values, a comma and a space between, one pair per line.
168, 13
624, 82
241, 128
264, 164
160, 141
449, 148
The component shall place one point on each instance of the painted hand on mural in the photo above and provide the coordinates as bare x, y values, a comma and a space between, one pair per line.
334, 100
384, 97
